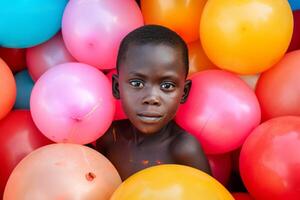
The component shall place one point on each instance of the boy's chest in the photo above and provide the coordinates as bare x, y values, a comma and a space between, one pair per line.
128, 157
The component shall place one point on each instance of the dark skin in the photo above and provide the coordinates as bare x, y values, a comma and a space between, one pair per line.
151, 84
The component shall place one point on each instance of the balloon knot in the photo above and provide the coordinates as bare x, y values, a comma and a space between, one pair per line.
90, 176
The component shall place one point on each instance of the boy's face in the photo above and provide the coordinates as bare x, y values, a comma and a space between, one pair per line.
152, 85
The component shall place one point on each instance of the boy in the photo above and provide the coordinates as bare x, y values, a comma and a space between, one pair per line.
152, 67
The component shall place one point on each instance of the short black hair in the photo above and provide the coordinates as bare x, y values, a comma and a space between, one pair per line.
153, 34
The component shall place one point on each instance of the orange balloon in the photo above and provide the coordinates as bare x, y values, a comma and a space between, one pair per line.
198, 60
7, 89
61, 172
246, 37
176, 182
182, 16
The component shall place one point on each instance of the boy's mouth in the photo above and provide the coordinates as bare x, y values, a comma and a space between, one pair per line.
148, 117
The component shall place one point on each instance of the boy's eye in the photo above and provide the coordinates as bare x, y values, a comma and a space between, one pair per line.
167, 86
136, 84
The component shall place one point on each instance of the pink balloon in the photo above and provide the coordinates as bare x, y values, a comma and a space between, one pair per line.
221, 166
72, 102
221, 111
42, 57
93, 29
119, 113
63, 172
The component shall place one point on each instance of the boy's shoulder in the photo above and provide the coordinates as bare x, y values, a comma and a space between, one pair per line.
187, 150
185, 143
113, 133
181, 134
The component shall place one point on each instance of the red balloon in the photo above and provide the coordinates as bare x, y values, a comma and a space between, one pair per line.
18, 136
241, 196
221, 111
49, 54
270, 161
119, 113
278, 88
14, 58
221, 166
295, 42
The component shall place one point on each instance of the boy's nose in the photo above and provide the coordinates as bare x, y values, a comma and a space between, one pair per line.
151, 100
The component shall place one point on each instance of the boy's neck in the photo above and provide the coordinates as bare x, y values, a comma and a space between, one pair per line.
141, 138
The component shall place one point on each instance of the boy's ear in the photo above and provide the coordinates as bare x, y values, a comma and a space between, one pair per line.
186, 90
115, 86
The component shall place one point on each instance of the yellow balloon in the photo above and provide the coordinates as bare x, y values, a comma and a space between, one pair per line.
176, 182
198, 60
182, 16
246, 36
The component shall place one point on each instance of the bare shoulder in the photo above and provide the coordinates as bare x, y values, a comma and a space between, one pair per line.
185, 143
105, 140
111, 135
187, 150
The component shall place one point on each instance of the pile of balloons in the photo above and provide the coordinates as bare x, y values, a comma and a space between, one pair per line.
57, 58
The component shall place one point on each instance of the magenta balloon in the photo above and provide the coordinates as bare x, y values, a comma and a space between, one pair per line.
42, 57
93, 29
72, 102
221, 111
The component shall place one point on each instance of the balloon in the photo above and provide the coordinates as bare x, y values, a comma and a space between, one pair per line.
15, 58
277, 88
72, 103
92, 30
62, 171
295, 4
182, 17
269, 160
176, 182
295, 42
19, 136
26, 23
24, 88
221, 167
7, 89
215, 112
241, 196
43, 57
246, 37
251, 80
235, 155
198, 60
119, 113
